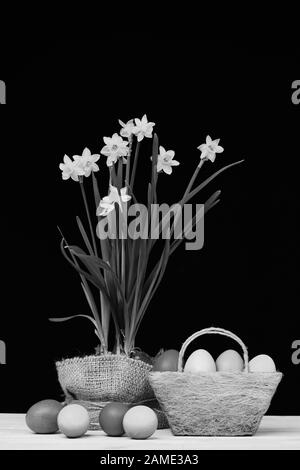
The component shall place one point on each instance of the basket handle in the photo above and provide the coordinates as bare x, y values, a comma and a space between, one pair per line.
213, 330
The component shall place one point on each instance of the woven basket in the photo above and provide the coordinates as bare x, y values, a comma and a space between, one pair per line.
216, 403
94, 381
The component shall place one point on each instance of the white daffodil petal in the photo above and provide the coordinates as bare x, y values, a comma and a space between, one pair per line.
67, 160
106, 140
171, 153
86, 152
106, 205
125, 198
105, 150
159, 166
167, 169
106, 211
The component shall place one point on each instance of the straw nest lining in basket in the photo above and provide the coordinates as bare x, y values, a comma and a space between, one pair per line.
214, 404
94, 381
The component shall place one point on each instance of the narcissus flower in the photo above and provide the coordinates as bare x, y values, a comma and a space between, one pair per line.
114, 148
70, 169
81, 165
87, 162
107, 204
165, 160
143, 128
209, 149
127, 129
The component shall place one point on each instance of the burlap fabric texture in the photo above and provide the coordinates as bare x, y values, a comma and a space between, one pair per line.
94, 381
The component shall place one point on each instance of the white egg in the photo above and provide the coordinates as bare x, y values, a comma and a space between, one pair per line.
230, 361
200, 361
73, 420
262, 363
140, 422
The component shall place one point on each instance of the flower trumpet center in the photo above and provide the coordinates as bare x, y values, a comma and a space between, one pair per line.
114, 148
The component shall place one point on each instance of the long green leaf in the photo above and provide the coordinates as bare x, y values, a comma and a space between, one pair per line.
155, 147
153, 286
141, 270
136, 156
120, 173
116, 296
133, 260
208, 180
117, 309
194, 192
105, 246
96, 190
160, 269
59, 320
97, 262
91, 302
84, 236
105, 252
95, 281
210, 203
87, 260
86, 286
88, 216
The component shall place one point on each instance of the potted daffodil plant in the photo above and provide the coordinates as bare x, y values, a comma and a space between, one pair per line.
119, 274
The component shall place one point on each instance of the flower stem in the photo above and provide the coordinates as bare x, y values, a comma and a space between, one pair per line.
190, 185
128, 159
123, 280
113, 176
183, 199
88, 215
136, 155
120, 173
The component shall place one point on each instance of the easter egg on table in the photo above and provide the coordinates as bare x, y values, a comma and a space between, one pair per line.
166, 361
41, 418
111, 418
230, 361
73, 420
200, 361
262, 363
140, 422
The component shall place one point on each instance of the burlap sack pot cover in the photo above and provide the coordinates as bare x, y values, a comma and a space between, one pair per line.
94, 381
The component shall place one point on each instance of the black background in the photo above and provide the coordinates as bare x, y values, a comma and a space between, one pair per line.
65, 95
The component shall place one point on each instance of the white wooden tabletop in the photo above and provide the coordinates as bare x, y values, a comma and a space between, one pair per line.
275, 432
